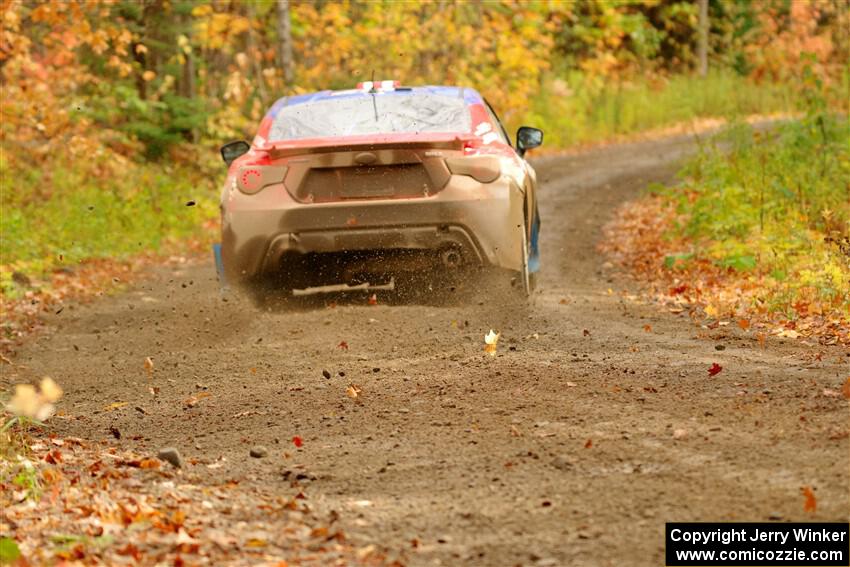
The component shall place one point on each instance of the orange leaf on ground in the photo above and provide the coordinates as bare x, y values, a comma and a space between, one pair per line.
589, 444
715, 369
811, 503
149, 464
343, 345
647, 328
297, 441
846, 388
744, 324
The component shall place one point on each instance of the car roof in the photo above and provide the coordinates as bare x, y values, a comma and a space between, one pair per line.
470, 96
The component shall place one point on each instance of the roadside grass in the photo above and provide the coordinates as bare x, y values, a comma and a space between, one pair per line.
758, 233
578, 111
62, 212
778, 205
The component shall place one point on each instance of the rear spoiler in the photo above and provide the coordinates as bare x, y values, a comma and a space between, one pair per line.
287, 148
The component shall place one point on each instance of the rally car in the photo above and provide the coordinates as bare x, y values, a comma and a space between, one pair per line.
365, 185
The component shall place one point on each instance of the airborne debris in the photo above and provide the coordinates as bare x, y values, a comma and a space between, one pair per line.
491, 341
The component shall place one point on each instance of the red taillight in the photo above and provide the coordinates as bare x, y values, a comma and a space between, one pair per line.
471, 146
258, 172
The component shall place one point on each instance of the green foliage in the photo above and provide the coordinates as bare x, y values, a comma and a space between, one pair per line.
9, 552
66, 213
778, 203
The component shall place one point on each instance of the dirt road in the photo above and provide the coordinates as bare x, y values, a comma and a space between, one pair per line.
572, 446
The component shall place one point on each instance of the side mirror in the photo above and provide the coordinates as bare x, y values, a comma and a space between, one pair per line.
528, 138
233, 150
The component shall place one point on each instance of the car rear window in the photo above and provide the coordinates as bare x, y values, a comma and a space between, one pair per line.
362, 114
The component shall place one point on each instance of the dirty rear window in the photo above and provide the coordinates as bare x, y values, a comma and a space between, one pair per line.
386, 113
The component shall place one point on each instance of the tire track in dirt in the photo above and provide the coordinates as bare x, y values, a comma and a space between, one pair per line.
450, 456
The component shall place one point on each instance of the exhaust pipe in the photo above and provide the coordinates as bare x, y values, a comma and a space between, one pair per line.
451, 258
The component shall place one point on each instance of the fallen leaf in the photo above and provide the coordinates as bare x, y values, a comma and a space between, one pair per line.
846, 388
711, 310
343, 345
491, 342
588, 444
762, 339
148, 365
647, 328
149, 464
515, 432
297, 441
353, 391
715, 369
373, 299
586, 333
115, 405
811, 503
744, 324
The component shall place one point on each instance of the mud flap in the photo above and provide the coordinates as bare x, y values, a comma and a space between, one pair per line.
219, 269
534, 252
516, 216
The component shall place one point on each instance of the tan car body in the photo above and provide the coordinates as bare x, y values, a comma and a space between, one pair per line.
395, 206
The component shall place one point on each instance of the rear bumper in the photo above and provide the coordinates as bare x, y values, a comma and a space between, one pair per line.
482, 221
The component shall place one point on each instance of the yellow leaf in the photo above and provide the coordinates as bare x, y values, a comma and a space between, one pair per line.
491, 341
50, 389
115, 405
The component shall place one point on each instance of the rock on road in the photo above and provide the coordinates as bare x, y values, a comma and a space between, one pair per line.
573, 445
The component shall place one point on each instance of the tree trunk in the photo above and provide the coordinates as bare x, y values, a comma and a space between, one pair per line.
284, 33
702, 46
256, 55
